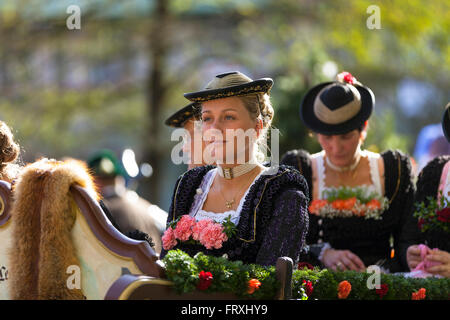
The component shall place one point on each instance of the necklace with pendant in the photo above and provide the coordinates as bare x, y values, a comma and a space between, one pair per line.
229, 203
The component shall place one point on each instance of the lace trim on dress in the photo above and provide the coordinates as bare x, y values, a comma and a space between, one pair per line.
374, 172
200, 198
318, 157
202, 192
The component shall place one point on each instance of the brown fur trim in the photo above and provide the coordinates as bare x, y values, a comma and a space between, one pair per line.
43, 214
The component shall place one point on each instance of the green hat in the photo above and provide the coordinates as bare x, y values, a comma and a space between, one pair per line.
105, 164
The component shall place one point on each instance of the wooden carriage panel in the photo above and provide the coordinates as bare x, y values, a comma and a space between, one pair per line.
138, 287
5, 237
104, 253
97, 255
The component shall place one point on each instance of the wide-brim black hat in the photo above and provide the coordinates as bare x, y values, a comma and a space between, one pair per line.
336, 107
446, 122
179, 118
230, 84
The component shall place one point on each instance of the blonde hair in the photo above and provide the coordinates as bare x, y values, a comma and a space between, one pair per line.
260, 107
9, 152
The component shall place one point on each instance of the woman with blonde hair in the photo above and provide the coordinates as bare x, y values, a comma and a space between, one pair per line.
266, 206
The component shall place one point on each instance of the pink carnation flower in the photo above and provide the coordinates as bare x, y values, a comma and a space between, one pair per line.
183, 230
168, 239
199, 227
213, 236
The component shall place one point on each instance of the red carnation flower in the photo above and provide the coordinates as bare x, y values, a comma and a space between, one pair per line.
382, 291
443, 215
302, 265
205, 279
346, 77
308, 287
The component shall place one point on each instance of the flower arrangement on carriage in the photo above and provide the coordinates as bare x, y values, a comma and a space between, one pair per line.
344, 202
218, 274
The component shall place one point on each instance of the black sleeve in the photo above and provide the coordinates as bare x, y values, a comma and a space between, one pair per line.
400, 189
301, 161
286, 232
170, 214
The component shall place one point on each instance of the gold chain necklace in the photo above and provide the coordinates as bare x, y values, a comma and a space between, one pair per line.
229, 203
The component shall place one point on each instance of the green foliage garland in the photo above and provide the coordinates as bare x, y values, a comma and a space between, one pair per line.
326, 282
228, 276
233, 276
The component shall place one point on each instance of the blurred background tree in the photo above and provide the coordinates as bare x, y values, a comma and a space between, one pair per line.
112, 83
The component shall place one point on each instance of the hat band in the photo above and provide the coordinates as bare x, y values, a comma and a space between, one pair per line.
341, 115
233, 79
232, 92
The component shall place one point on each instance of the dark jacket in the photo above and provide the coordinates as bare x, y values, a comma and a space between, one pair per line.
273, 221
367, 238
427, 186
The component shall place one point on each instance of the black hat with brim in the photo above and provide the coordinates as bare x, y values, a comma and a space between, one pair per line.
179, 118
310, 119
230, 84
446, 122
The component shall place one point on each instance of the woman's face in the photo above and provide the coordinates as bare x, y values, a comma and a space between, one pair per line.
229, 131
341, 149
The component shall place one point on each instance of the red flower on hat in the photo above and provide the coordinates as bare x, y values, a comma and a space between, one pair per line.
346, 77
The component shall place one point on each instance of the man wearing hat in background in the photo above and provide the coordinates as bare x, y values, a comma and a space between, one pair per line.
129, 213
186, 118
